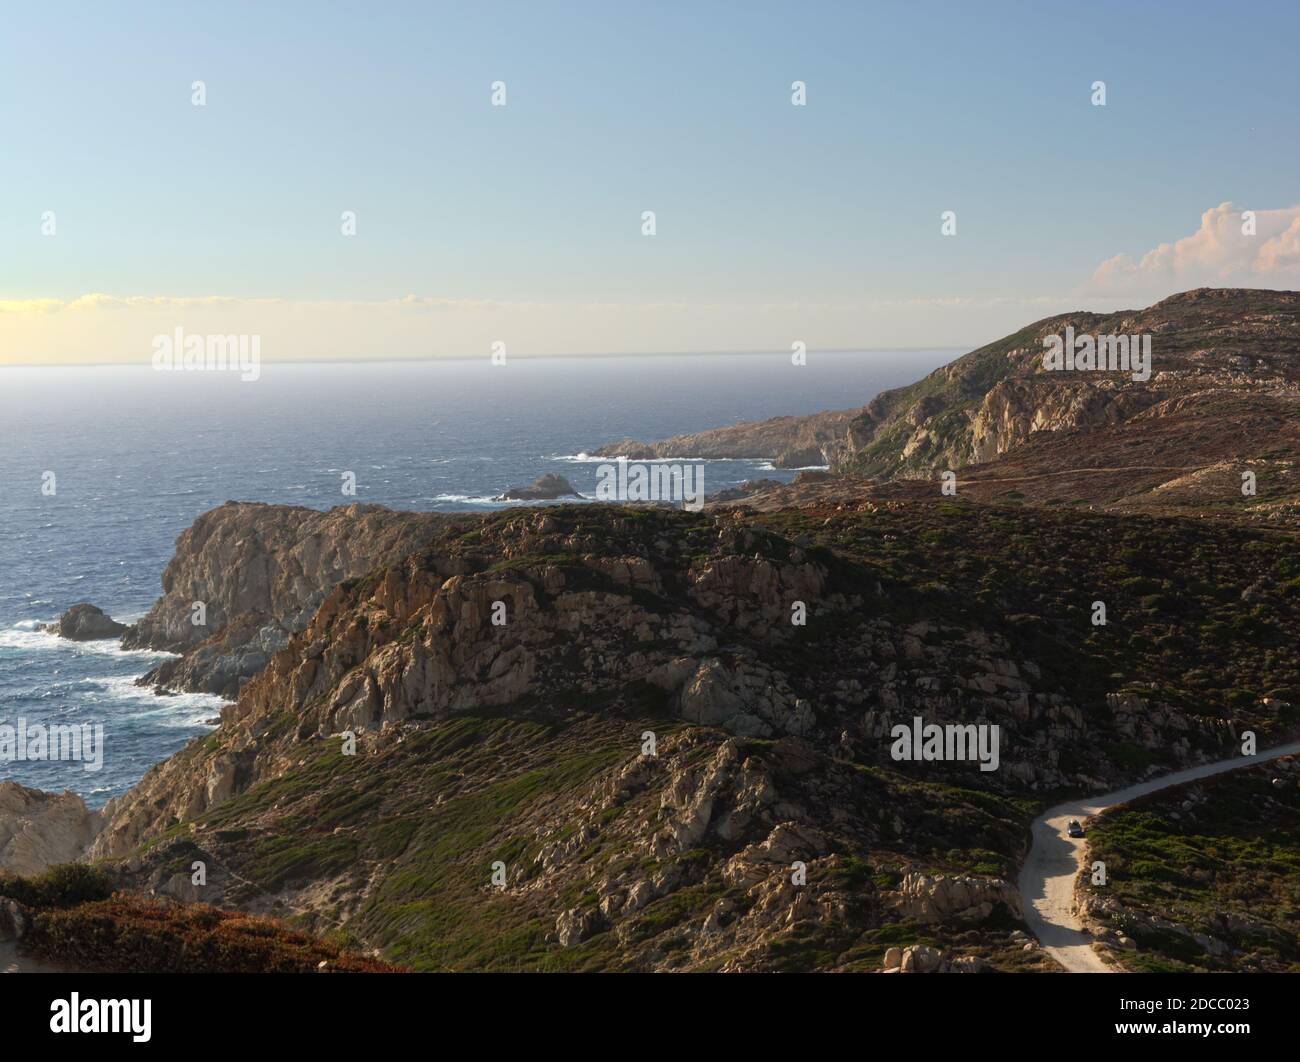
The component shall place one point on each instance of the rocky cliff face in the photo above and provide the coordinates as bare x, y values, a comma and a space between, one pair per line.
1014, 409
1207, 345
40, 829
247, 575
417, 638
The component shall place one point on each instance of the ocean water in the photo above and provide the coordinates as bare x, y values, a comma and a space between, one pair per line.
137, 455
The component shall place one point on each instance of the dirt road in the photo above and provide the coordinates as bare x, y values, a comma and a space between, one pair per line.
1047, 878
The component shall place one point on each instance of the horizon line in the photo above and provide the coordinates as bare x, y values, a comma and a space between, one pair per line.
388, 360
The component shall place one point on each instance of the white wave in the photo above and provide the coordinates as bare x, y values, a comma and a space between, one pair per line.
513, 503
767, 466
181, 709
24, 635
468, 499
588, 459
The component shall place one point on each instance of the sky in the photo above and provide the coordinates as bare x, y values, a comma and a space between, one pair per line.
126, 211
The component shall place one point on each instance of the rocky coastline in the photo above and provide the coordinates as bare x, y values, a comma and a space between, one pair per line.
672, 729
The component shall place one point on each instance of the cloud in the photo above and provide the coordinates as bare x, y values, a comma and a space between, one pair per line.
31, 305
1221, 253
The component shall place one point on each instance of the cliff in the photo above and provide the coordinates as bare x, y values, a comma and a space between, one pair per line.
1223, 397
39, 829
1207, 345
247, 575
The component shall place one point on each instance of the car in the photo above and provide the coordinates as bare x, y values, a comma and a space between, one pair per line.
1074, 829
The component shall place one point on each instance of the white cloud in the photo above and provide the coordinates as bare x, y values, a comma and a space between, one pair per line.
1218, 254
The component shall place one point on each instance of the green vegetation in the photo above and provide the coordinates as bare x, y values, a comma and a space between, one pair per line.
62, 886
1220, 860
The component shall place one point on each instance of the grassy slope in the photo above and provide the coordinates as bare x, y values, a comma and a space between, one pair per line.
433, 814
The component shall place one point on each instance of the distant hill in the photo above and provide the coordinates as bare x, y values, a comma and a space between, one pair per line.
1223, 398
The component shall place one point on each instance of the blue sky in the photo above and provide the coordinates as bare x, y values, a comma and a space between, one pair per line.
616, 108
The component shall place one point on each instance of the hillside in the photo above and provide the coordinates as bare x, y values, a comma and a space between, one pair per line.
1223, 398
523, 743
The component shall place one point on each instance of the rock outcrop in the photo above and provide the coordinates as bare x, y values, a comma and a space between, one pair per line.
38, 829
86, 623
922, 958
246, 575
788, 442
548, 487
927, 899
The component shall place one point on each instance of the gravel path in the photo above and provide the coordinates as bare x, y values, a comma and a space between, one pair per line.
1054, 861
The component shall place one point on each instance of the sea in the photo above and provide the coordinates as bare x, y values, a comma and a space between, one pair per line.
102, 467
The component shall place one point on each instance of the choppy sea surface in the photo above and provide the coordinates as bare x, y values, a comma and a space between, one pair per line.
136, 455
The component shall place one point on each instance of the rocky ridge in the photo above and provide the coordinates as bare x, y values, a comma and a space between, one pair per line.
247, 575
1223, 398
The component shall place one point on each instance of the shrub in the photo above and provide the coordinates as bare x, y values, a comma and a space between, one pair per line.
130, 934
61, 886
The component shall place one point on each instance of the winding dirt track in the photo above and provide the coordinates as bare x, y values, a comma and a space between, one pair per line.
1047, 879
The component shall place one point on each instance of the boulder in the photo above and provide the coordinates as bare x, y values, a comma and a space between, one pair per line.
921, 958
546, 487
38, 829
574, 926
938, 899
86, 623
